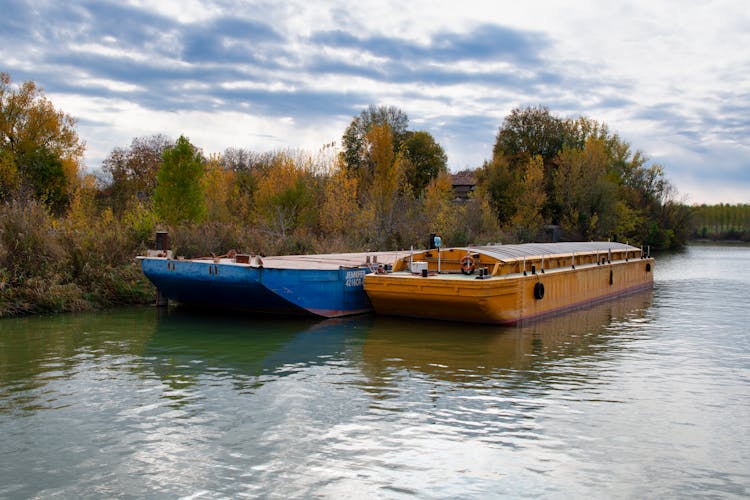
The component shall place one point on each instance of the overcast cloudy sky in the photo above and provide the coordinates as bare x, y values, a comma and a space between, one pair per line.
672, 78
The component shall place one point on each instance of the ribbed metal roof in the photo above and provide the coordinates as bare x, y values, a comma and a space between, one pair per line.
506, 252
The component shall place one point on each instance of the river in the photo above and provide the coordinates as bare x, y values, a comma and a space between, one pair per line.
645, 397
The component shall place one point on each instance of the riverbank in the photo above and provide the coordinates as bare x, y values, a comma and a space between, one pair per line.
100, 289
80, 262
718, 242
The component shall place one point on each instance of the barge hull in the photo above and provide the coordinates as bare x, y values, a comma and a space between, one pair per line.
509, 299
319, 292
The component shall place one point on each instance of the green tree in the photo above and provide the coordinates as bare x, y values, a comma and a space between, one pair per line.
180, 193
498, 182
45, 177
579, 130
424, 159
583, 191
529, 132
535, 131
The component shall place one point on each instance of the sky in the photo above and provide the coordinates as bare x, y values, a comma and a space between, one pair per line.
672, 78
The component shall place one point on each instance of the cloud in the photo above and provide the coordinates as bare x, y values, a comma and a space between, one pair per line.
301, 71
486, 42
231, 41
15, 21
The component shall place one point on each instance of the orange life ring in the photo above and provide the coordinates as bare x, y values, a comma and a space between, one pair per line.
468, 265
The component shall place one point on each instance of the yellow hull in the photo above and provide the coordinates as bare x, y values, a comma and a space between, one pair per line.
506, 299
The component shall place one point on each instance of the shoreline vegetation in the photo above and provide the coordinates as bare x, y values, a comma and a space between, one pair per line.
68, 239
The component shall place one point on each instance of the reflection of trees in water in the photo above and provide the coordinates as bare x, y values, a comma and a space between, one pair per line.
36, 351
177, 347
477, 353
491, 384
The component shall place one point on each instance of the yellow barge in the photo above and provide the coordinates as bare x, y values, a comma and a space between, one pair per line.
508, 284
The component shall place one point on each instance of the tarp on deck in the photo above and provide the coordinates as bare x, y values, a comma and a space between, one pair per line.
509, 252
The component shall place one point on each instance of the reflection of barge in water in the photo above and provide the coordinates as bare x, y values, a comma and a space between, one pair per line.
186, 344
458, 352
508, 284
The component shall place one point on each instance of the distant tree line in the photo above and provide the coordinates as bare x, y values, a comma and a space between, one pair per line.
721, 222
67, 240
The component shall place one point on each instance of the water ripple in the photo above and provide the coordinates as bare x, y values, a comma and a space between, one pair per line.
645, 397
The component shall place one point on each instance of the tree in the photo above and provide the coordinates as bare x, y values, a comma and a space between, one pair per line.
180, 193
529, 132
248, 166
527, 221
45, 177
37, 143
379, 199
339, 210
285, 198
441, 213
577, 131
356, 154
218, 182
583, 192
534, 131
497, 181
8, 174
386, 179
133, 169
424, 159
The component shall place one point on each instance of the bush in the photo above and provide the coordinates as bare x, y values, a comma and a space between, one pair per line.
81, 262
28, 243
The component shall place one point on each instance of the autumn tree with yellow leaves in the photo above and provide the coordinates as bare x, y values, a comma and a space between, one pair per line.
286, 198
528, 220
340, 213
442, 214
40, 151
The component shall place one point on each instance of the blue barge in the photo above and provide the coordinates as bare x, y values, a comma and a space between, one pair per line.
325, 285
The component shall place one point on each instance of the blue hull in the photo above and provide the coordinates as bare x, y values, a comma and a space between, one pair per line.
321, 292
